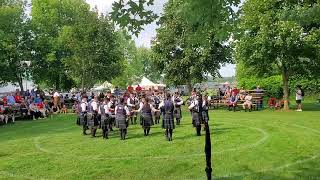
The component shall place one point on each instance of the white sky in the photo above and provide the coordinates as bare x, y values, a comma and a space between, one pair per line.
105, 6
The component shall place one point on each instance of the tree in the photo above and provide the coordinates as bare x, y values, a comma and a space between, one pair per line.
15, 42
179, 51
281, 35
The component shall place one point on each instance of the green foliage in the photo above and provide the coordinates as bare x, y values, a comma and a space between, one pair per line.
271, 37
133, 15
15, 42
179, 48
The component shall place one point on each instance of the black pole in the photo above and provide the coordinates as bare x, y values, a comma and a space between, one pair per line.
207, 141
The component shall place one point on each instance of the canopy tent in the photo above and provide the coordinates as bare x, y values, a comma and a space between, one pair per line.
147, 84
104, 86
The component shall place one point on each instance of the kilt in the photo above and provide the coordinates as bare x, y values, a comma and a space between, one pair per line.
82, 119
196, 119
146, 120
105, 121
168, 121
157, 114
177, 113
92, 120
205, 116
121, 122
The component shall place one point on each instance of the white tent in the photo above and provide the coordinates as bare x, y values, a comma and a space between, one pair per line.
104, 86
146, 84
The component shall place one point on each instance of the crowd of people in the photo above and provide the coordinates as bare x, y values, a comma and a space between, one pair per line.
107, 111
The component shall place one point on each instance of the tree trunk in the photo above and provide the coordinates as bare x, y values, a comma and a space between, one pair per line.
189, 87
285, 79
20, 82
57, 83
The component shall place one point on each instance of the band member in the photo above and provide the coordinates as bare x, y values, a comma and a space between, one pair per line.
121, 112
156, 105
146, 115
195, 110
205, 109
167, 107
83, 115
178, 101
112, 105
105, 118
132, 102
94, 109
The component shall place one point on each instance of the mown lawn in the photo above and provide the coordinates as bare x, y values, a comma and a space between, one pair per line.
257, 145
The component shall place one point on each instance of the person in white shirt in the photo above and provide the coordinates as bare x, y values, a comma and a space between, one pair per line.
248, 102
146, 110
178, 101
83, 115
195, 109
299, 96
56, 99
121, 113
132, 103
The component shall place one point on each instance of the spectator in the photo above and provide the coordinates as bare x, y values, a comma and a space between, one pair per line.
227, 93
248, 103
11, 100
235, 90
3, 116
24, 109
139, 89
299, 96
34, 111
258, 90
242, 93
64, 108
27, 93
56, 99
116, 92
37, 99
233, 102
17, 98
130, 88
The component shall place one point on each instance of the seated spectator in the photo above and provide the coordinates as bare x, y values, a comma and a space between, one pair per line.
34, 111
272, 102
233, 100
3, 116
258, 90
10, 100
248, 103
10, 113
235, 90
42, 109
17, 98
75, 107
227, 93
242, 93
24, 109
64, 109
37, 99
48, 107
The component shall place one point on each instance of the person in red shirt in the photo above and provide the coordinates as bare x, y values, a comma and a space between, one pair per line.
235, 90
17, 97
130, 88
138, 89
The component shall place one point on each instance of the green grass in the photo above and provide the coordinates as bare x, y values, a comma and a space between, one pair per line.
257, 145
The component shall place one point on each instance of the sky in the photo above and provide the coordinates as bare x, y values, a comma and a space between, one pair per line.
149, 32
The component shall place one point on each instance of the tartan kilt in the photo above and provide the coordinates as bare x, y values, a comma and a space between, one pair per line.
196, 119
121, 122
82, 119
90, 120
177, 113
146, 120
105, 121
157, 114
205, 116
168, 121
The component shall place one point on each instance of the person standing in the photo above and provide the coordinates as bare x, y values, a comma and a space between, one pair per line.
178, 101
195, 110
146, 110
299, 97
167, 107
121, 112
105, 118
56, 99
131, 103
156, 105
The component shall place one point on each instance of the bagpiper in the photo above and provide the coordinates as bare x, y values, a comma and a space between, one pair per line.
121, 112
205, 109
178, 101
94, 122
195, 110
83, 115
105, 118
156, 105
146, 110
167, 108
132, 102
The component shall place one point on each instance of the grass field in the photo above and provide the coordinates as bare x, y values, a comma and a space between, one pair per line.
256, 145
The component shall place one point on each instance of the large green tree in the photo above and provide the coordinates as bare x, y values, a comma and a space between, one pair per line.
15, 42
187, 51
280, 35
